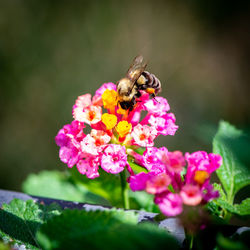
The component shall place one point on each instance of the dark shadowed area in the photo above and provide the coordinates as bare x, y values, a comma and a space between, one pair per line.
53, 51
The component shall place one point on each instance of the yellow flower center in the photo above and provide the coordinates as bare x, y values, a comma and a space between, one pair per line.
123, 128
109, 120
109, 99
201, 176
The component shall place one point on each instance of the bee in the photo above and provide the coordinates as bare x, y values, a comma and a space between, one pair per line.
137, 79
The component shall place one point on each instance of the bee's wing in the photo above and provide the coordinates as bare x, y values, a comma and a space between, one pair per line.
136, 69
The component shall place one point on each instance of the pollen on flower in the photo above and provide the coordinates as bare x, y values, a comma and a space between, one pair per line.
123, 128
109, 99
109, 120
201, 176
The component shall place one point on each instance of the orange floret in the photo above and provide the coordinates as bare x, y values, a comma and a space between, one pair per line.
109, 99
201, 176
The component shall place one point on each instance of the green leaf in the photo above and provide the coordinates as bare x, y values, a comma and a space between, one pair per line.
139, 150
224, 243
216, 206
4, 246
20, 220
59, 185
136, 168
107, 186
144, 201
115, 229
73, 186
221, 191
233, 146
243, 208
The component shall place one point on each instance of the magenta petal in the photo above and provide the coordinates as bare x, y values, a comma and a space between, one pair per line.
89, 167
114, 158
64, 154
209, 193
215, 162
61, 139
170, 204
138, 182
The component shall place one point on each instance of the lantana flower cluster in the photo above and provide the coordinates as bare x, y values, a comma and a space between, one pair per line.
115, 137
166, 180
114, 131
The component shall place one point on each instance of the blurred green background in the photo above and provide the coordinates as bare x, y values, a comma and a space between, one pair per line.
53, 51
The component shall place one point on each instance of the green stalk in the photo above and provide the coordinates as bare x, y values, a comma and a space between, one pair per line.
191, 242
124, 189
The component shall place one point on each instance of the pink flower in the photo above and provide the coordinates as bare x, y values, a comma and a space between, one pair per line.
69, 155
191, 195
90, 115
97, 98
69, 132
68, 139
174, 161
83, 101
138, 182
157, 105
134, 116
215, 162
164, 124
89, 166
201, 161
88, 146
158, 183
152, 159
143, 135
170, 204
114, 158
101, 137
61, 138
151, 182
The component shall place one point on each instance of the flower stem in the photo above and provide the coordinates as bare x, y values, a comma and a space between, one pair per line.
191, 242
124, 189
